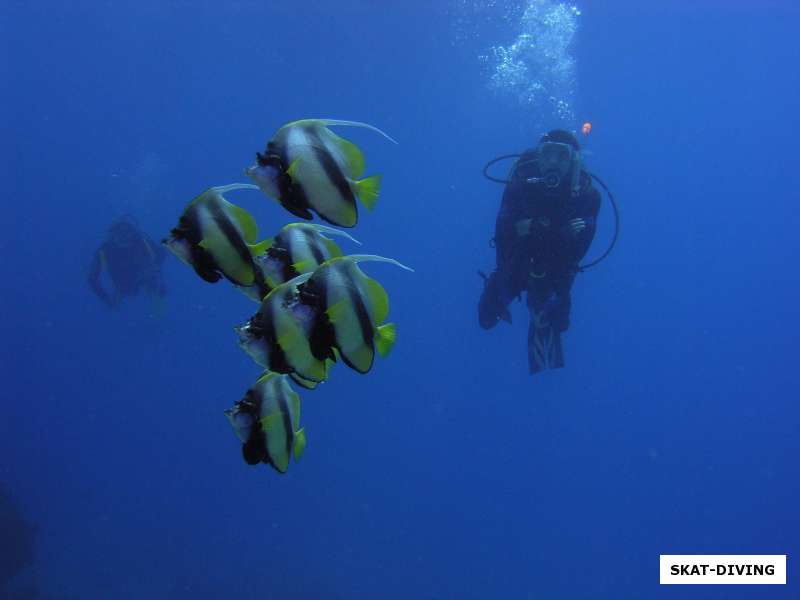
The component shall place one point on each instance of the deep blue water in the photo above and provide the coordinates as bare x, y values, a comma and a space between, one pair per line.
448, 471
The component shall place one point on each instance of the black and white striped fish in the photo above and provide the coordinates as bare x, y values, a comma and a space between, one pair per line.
277, 336
298, 248
267, 422
217, 238
349, 310
307, 167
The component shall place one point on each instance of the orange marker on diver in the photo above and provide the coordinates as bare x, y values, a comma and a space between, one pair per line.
587, 128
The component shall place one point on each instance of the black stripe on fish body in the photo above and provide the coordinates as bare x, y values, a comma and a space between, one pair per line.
312, 242
322, 339
322, 336
335, 176
282, 255
292, 196
364, 321
287, 423
232, 236
275, 354
202, 262
255, 448
261, 285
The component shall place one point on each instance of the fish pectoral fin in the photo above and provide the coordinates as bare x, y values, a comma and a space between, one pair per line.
294, 169
270, 422
299, 444
385, 337
368, 190
336, 311
261, 247
304, 266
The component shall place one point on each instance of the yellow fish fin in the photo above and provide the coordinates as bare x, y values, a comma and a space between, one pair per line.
299, 444
245, 221
385, 337
378, 299
368, 190
336, 311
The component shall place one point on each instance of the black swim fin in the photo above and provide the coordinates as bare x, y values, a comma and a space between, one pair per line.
544, 345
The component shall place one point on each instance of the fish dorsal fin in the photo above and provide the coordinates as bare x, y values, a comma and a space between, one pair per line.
223, 189
376, 258
378, 299
333, 248
344, 123
351, 154
329, 230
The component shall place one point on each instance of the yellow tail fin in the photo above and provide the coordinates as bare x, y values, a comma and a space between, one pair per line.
368, 191
385, 337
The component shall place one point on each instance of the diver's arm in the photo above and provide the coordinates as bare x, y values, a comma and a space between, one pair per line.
95, 271
514, 225
579, 231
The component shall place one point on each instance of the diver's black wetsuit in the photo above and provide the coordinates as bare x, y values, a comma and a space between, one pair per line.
132, 261
538, 245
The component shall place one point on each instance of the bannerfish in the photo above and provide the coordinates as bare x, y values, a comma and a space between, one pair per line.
277, 336
218, 239
349, 310
267, 422
298, 248
307, 167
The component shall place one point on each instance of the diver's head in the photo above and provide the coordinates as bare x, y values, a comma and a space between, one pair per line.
124, 231
558, 158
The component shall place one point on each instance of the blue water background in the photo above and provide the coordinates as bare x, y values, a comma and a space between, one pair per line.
447, 472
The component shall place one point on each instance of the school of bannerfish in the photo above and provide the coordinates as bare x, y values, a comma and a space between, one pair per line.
316, 306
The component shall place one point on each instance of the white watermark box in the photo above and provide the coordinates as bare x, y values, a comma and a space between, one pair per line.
722, 569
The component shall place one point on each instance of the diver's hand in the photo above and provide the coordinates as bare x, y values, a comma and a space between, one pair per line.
576, 226
526, 227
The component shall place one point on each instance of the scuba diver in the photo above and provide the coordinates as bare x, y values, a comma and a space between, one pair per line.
546, 223
131, 261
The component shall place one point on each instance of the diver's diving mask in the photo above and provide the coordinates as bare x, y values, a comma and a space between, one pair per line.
558, 162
